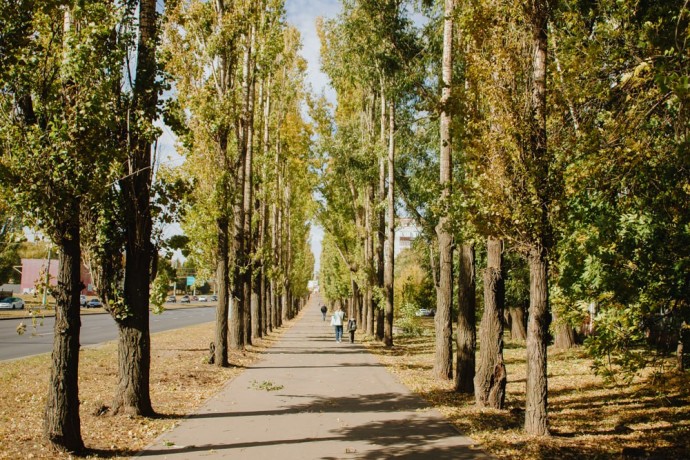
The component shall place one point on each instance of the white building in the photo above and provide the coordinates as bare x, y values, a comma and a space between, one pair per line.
405, 233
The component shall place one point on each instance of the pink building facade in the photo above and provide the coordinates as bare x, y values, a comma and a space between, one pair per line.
32, 269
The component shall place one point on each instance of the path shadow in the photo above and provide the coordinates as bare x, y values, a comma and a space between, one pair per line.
382, 402
411, 438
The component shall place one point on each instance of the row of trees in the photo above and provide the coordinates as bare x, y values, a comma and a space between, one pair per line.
592, 224
81, 85
240, 89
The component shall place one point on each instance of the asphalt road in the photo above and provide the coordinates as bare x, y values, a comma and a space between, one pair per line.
94, 329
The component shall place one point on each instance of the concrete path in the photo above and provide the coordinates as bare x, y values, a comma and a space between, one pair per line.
313, 398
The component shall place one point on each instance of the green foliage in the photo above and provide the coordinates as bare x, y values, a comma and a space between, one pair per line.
159, 291
406, 319
57, 100
10, 235
618, 344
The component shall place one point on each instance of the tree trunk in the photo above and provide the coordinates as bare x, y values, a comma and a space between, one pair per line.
248, 196
275, 236
443, 356
134, 353
565, 335
223, 283
680, 363
236, 336
375, 321
518, 330
62, 425
367, 304
390, 259
466, 331
491, 332
265, 297
536, 417
354, 301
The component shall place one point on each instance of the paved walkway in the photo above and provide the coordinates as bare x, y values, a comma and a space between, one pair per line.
313, 398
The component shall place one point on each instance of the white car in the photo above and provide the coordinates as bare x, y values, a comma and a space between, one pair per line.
12, 302
203, 299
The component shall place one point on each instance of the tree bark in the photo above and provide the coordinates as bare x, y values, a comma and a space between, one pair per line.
536, 417
61, 424
368, 305
491, 373
536, 414
466, 330
223, 284
680, 352
443, 356
248, 196
236, 336
265, 288
518, 330
375, 321
390, 259
565, 335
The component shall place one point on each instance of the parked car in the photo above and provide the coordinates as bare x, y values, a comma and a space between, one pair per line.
214, 298
203, 299
82, 300
425, 312
171, 299
185, 299
194, 298
94, 303
12, 302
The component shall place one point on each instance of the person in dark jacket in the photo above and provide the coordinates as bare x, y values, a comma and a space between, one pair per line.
351, 328
323, 311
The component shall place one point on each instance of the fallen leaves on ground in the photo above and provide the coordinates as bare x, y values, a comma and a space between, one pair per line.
180, 382
649, 418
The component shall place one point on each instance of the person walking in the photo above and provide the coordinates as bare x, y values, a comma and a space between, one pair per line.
337, 321
351, 328
323, 311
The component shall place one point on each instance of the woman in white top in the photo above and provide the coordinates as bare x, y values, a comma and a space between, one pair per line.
337, 321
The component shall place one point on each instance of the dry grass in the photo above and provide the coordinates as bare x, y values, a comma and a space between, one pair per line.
649, 418
180, 382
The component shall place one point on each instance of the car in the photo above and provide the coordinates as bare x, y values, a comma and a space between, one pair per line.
425, 312
82, 300
12, 302
214, 298
171, 299
194, 298
203, 299
93, 303
185, 299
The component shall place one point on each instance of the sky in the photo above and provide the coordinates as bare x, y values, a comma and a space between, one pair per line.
302, 14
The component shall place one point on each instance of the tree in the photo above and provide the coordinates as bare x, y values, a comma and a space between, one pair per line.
56, 102
466, 330
443, 357
490, 381
134, 346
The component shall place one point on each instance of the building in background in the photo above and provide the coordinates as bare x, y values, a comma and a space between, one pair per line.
405, 233
33, 269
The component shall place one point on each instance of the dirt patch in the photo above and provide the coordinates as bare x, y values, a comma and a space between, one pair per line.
180, 382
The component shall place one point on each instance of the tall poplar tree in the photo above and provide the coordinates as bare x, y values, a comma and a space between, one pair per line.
443, 356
